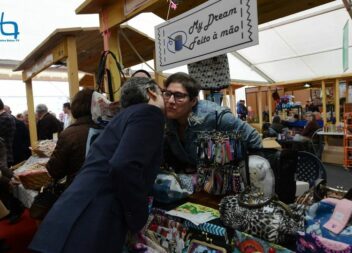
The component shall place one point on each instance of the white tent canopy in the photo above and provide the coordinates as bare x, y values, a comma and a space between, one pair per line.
306, 45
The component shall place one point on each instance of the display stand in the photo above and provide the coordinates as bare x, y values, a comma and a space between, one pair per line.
347, 136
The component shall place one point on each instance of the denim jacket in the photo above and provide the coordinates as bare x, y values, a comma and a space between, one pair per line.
203, 118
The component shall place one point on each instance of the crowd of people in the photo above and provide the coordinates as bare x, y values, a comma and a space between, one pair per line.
14, 148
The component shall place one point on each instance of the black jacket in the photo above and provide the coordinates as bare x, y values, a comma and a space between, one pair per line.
47, 126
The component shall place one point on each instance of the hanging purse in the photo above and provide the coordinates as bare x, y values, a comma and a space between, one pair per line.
212, 74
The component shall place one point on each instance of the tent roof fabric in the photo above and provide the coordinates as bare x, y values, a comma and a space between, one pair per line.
305, 45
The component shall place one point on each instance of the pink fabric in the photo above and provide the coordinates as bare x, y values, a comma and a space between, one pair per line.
341, 215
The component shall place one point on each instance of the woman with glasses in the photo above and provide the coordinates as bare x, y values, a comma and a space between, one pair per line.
109, 195
187, 115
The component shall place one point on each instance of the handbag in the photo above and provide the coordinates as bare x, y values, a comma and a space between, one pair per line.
266, 218
170, 187
212, 73
45, 200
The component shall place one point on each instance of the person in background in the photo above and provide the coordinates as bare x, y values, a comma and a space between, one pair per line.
141, 73
108, 197
25, 118
47, 124
187, 115
277, 125
7, 183
311, 126
7, 132
19, 116
70, 150
67, 114
21, 140
242, 110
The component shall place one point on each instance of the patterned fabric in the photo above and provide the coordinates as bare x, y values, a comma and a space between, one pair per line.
270, 222
317, 215
247, 243
312, 243
212, 73
7, 132
206, 227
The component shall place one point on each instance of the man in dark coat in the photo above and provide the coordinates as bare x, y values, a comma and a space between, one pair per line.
109, 195
21, 140
47, 124
7, 131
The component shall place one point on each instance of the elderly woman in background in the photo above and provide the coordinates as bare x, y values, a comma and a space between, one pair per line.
277, 125
109, 195
69, 153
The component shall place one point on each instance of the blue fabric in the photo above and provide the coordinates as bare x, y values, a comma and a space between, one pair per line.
109, 195
203, 118
301, 123
317, 215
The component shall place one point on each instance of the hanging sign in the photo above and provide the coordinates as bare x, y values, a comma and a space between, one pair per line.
211, 29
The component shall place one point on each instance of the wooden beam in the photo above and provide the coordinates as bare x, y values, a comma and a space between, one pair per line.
114, 46
158, 76
232, 107
44, 62
72, 66
323, 89
270, 105
260, 107
224, 98
31, 115
337, 100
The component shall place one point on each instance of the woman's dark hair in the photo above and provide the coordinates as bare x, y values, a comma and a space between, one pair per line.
277, 120
142, 71
1, 105
190, 84
81, 103
134, 91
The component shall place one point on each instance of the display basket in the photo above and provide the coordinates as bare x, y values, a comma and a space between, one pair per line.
44, 148
35, 179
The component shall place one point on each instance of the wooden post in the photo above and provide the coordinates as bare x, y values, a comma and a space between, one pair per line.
114, 46
260, 107
337, 100
31, 115
72, 66
231, 100
270, 105
158, 77
224, 98
323, 89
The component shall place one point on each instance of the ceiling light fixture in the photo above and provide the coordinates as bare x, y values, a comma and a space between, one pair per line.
306, 85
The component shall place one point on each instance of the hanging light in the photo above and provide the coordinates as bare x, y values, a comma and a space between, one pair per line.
306, 85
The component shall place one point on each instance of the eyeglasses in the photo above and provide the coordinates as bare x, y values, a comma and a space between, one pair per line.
178, 96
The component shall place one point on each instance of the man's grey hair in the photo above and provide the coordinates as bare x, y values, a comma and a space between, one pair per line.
134, 91
41, 108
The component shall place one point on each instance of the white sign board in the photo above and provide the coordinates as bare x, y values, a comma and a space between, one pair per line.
211, 29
